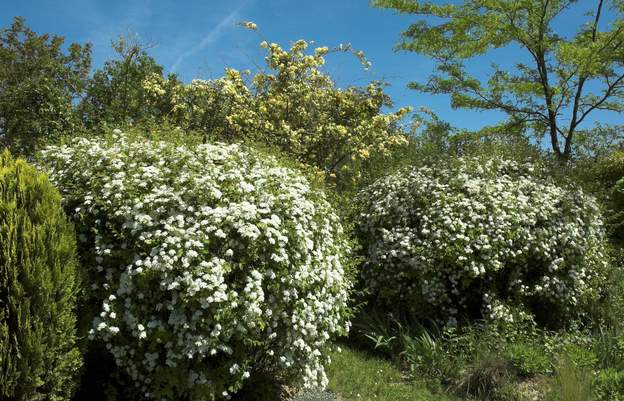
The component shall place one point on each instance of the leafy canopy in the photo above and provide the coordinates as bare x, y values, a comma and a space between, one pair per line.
293, 106
115, 94
38, 82
552, 90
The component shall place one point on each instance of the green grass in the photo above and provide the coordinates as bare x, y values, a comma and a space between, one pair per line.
357, 376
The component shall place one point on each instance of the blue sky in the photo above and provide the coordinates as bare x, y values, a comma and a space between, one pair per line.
199, 38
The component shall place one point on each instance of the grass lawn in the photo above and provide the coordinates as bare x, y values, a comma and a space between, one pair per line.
357, 376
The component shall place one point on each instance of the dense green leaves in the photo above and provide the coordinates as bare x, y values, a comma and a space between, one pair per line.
38, 285
38, 82
115, 94
294, 107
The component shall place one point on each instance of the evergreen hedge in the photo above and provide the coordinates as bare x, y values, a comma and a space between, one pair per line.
39, 358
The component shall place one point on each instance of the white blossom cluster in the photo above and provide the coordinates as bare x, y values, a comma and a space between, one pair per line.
479, 239
211, 263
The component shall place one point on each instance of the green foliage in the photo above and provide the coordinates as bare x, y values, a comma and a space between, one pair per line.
609, 350
116, 96
550, 93
411, 345
357, 376
609, 170
600, 176
616, 219
38, 82
423, 353
570, 382
39, 359
497, 361
294, 106
605, 311
609, 385
580, 355
436, 140
485, 377
202, 105
528, 358
600, 141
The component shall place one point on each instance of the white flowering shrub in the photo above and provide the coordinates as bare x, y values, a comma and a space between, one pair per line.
210, 263
480, 239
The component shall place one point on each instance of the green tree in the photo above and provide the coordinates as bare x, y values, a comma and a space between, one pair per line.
600, 141
39, 358
552, 90
294, 106
116, 95
38, 82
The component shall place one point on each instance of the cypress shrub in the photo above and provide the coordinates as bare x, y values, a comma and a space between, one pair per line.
39, 357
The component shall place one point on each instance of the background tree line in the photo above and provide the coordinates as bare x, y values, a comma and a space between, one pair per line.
344, 135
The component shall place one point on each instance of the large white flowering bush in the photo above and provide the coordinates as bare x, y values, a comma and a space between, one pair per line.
480, 239
211, 263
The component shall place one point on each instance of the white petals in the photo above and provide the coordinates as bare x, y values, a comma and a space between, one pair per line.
194, 255
435, 236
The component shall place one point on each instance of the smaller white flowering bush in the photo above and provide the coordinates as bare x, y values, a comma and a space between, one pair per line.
480, 239
211, 263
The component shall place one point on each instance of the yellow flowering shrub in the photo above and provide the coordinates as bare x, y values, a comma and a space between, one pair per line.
296, 107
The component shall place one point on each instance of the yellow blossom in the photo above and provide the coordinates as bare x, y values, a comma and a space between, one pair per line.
249, 25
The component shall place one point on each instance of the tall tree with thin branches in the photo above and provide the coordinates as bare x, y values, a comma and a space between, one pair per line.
555, 86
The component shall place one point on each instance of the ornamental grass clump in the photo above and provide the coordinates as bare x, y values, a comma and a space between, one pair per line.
211, 264
39, 280
481, 239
